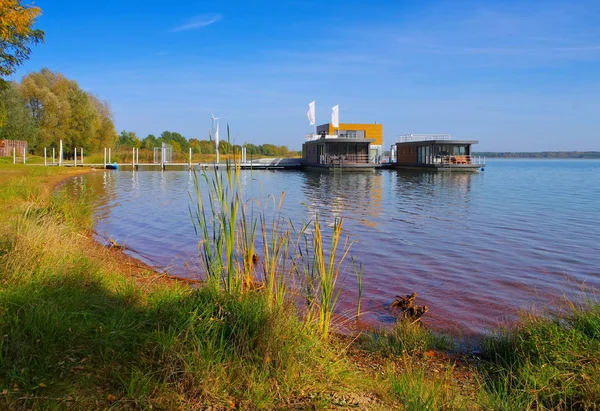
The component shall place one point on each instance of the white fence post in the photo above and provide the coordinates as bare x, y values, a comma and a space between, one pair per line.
75, 157
45, 163
60, 153
81, 155
14, 155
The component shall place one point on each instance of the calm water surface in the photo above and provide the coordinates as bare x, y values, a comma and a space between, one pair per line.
476, 247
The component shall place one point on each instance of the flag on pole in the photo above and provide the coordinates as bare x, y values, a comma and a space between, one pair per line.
335, 116
311, 113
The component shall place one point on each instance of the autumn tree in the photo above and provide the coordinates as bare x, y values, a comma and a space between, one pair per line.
63, 111
17, 122
106, 134
17, 34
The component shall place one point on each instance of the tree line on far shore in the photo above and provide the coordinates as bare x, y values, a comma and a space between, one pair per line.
45, 107
129, 139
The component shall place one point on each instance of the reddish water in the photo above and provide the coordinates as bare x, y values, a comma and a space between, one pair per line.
476, 247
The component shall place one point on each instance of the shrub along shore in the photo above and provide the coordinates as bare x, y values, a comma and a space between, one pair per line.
84, 326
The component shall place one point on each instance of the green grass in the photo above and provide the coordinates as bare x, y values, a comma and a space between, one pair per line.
76, 330
404, 338
547, 362
417, 390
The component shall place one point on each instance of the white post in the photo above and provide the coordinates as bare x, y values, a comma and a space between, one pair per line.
45, 163
109, 155
104, 157
137, 156
75, 157
190, 157
60, 153
133, 158
14, 155
81, 155
53, 156
23, 155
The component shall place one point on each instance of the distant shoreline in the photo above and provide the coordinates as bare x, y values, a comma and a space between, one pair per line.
542, 154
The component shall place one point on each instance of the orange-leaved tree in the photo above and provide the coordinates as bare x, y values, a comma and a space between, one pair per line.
17, 34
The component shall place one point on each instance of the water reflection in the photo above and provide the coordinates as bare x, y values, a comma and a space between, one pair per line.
476, 247
355, 196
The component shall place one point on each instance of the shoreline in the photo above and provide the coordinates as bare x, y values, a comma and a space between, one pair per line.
89, 327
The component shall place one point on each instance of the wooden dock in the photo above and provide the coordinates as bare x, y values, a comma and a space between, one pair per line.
260, 164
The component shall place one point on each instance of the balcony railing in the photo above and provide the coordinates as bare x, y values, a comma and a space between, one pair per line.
312, 137
344, 159
439, 159
407, 138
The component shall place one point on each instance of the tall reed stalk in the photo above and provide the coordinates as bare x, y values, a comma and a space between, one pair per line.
228, 231
359, 280
319, 269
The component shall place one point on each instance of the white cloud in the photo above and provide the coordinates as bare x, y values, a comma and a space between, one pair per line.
199, 22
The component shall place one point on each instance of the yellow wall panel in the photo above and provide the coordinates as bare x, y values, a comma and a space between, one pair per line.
374, 131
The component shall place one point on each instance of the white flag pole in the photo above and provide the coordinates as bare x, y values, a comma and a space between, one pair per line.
335, 116
311, 114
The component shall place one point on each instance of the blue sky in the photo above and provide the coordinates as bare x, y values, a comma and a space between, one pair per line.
515, 75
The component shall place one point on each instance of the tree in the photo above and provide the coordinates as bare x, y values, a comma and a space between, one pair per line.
269, 149
149, 142
129, 139
63, 111
106, 135
46, 95
18, 123
16, 34
178, 141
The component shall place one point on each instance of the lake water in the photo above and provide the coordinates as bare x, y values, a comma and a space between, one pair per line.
476, 247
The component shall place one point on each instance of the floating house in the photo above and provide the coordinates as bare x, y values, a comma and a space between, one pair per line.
350, 146
435, 152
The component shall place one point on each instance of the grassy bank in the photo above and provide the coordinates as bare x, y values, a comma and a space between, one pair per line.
82, 326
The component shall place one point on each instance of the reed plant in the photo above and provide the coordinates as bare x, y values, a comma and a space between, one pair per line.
276, 240
359, 280
221, 210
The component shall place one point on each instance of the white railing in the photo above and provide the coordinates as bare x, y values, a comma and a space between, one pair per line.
312, 137
458, 160
344, 159
407, 138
